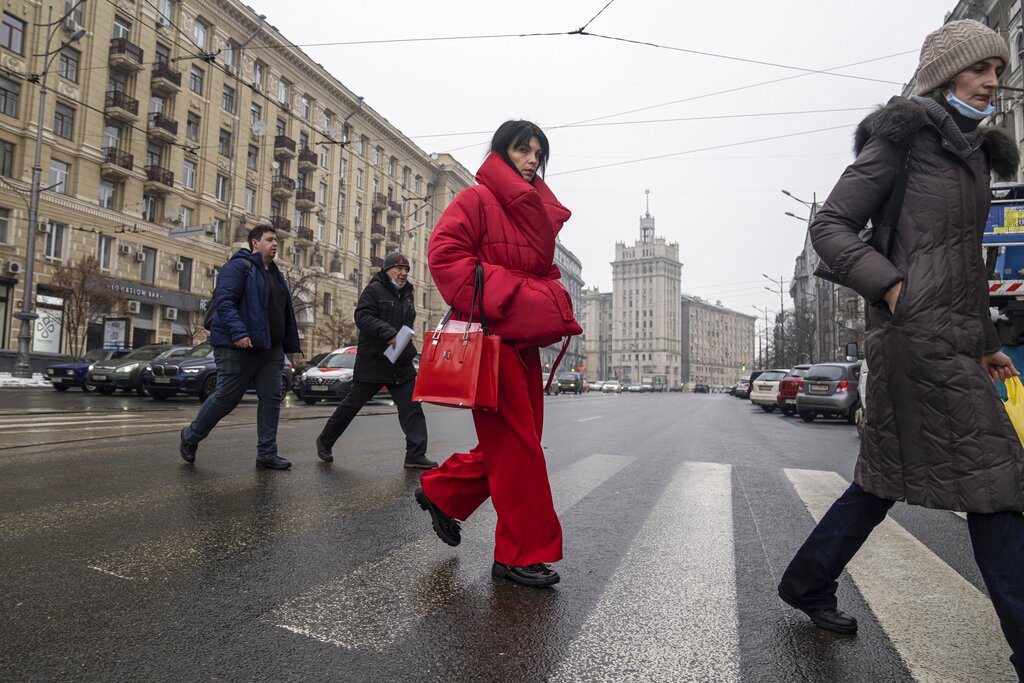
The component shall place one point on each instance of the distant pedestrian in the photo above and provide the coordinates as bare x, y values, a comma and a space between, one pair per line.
936, 433
253, 326
385, 306
508, 223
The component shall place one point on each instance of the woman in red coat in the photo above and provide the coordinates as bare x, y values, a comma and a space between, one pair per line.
508, 223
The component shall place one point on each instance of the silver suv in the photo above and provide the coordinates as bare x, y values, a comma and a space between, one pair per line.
830, 390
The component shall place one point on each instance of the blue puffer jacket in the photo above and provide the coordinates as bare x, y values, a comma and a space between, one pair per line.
241, 297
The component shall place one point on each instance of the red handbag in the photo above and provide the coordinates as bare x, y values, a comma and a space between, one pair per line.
459, 367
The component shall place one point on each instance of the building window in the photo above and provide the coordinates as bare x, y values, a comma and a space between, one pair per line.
359, 213
250, 200
375, 157
392, 166
147, 268
196, 80
55, 242
63, 121
305, 107
107, 192
5, 219
59, 172
363, 143
199, 33
325, 157
220, 232
255, 114
337, 235
252, 158
105, 251
320, 228
192, 127
341, 203
257, 74
167, 10
188, 215
188, 175
67, 64
12, 34
227, 99
122, 28
185, 274
163, 54
359, 178
231, 56
282, 91
322, 196
150, 206
9, 97
328, 304
224, 143
222, 188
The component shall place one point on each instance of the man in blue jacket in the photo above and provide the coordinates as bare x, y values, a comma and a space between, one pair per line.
253, 326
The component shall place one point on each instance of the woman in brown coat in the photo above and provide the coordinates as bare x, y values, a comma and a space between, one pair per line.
936, 433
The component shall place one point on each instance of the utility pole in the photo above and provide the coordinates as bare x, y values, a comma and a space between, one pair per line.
781, 326
766, 345
27, 316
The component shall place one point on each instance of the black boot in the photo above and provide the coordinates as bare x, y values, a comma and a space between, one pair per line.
447, 528
830, 618
185, 449
272, 463
420, 463
323, 451
535, 575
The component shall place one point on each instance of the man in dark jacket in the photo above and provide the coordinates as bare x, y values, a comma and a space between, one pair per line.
253, 326
385, 306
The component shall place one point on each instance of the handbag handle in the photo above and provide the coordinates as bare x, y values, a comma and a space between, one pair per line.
477, 302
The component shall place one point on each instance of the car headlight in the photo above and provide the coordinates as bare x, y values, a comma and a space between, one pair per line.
305, 374
50, 371
347, 374
192, 371
128, 368
89, 369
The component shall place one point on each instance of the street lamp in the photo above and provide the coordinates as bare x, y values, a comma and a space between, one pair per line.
792, 196
799, 218
27, 316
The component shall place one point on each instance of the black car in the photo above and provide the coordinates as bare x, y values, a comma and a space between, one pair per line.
63, 376
304, 365
571, 382
125, 373
701, 388
194, 374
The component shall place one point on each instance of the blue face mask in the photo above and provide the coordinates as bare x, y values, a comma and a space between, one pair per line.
967, 110
397, 286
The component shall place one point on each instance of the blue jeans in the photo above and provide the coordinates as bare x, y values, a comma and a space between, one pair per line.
236, 370
998, 540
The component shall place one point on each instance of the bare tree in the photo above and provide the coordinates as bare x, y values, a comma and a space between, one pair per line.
336, 331
87, 297
192, 323
304, 285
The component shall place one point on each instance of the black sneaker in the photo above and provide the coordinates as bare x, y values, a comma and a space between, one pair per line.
420, 463
447, 528
323, 451
185, 449
535, 575
272, 463
829, 619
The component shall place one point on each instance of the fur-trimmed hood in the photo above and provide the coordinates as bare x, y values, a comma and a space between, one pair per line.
901, 118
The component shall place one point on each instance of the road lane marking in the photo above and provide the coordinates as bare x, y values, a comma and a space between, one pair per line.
130, 425
588, 419
669, 611
107, 571
379, 601
918, 599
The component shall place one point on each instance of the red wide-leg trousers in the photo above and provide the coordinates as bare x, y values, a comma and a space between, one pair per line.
508, 466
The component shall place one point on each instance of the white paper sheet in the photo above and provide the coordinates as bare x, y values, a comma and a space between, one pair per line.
401, 341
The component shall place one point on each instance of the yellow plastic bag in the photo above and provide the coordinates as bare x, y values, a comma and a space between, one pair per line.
1015, 405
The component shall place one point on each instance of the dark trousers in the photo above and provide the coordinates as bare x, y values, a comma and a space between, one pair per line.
998, 540
410, 415
236, 370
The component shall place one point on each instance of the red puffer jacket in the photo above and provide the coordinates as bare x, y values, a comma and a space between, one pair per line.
509, 225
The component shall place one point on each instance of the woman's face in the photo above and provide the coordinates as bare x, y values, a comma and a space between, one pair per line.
526, 158
977, 84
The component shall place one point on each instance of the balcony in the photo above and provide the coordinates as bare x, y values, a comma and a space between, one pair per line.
115, 164
305, 199
394, 241
380, 201
284, 147
376, 262
307, 160
125, 55
303, 237
377, 232
281, 224
162, 128
282, 187
164, 79
395, 209
118, 105
159, 180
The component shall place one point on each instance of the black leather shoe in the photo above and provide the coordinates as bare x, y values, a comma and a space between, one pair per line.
830, 619
186, 449
447, 528
534, 576
272, 463
420, 463
323, 452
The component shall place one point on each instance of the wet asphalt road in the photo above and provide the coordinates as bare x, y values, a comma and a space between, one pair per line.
679, 514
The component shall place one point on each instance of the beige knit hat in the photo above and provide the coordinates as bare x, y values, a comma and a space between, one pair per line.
954, 47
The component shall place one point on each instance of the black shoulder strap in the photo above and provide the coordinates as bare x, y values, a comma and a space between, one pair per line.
881, 235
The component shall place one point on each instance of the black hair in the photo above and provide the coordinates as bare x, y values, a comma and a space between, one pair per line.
516, 134
256, 234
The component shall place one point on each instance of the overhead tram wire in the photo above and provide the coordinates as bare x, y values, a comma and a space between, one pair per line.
583, 28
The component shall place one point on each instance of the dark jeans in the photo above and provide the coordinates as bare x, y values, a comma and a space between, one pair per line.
236, 370
410, 415
998, 540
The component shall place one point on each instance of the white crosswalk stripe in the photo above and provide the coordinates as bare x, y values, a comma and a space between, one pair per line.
669, 612
374, 605
917, 598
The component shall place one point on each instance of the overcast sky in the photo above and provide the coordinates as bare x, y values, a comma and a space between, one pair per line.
723, 206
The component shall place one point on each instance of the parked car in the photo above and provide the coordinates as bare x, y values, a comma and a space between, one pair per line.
328, 379
125, 373
611, 386
830, 390
764, 391
634, 388
597, 385
63, 376
701, 388
194, 374
569, 382
304, 365
742, 389
789, 387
